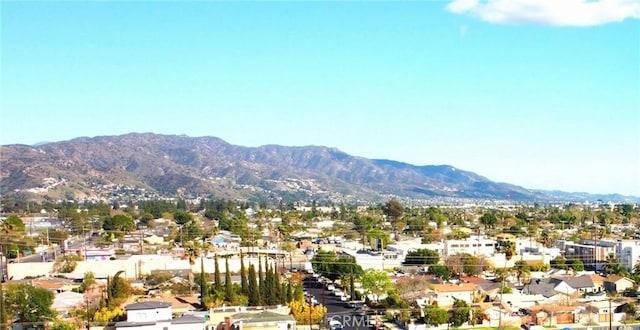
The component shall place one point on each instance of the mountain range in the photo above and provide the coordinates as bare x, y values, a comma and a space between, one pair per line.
149, 164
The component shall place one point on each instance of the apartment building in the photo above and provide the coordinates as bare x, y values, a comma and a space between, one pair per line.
590, 252
628, 253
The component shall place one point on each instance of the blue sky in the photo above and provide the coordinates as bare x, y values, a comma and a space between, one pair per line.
543, 94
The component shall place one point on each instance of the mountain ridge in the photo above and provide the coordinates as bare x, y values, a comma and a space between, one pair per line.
209, 166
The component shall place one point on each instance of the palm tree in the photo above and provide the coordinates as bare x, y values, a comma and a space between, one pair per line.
509, 249
613, 266
545, 238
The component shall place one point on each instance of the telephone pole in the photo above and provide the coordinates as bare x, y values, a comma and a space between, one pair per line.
2, 277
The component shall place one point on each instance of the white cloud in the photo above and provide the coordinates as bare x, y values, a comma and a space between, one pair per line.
549, 12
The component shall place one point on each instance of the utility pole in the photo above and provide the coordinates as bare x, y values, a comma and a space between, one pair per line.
87, 311
610, 316
310, 312
141, 242
504, 276
2, 277
84, 244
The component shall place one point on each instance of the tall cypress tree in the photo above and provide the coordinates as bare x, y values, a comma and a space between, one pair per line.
289, 293
203, 283
280, 287
252, 287
217, 281
229, 294
261, 285
269, 294
243, 277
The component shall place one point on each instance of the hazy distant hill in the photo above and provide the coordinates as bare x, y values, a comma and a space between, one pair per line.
204, 166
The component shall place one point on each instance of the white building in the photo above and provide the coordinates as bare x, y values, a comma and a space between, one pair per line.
474, 245
149, 311
403, 249
154, 315
628, 253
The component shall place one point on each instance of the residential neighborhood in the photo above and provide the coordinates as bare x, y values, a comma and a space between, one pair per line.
216, 264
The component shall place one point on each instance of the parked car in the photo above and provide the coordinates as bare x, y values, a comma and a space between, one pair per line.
335, 325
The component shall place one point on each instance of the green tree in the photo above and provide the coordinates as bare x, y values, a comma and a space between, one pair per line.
203, 285
331, 266
523, 272
422, 257
88, 281
441, 271
66, 263
270, 286
460, 313
576, 265
394, 210
434, 315
253, 289
28, 304
362, 224
379, 234
559, 262
289, 293
182, 217
57, 236
489, 219
613, 266
546, 238
243, 277
262, 288
508, 248
145, 219
229, 293
376, 282
217, 281
62, 325
118, 290
119, 224
13, 223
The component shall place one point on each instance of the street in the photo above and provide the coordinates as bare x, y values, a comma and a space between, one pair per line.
338, 310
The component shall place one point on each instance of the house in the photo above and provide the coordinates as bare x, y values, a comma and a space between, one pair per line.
189, 322
265, 320
545, 287
553, 314
150, 315
54, 284
499, 315
582, 283
554, 289
606, 309
154, 240
598, 282
446, 294
616, 283
490, 288
66, 301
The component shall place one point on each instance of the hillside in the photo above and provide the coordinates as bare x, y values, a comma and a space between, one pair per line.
205, 166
